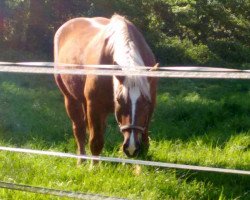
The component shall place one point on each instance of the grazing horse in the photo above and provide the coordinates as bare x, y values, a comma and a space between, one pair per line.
89, 99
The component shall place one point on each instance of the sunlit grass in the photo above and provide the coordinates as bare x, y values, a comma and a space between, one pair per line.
196, 122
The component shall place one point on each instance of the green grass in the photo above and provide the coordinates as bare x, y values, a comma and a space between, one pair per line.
200, 122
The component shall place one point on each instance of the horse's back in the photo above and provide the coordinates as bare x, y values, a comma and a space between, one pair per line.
73, 37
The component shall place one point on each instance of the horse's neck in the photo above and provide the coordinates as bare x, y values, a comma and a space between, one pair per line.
121, 42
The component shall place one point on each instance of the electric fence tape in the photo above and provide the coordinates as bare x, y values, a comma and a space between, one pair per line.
115, 70
128, 161
59, 193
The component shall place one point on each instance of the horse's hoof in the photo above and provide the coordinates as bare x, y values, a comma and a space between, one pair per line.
80, 161
137, 170
93, 164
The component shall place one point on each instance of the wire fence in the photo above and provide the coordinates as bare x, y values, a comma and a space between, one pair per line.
114, 70
59, 193
128, 161
194, 72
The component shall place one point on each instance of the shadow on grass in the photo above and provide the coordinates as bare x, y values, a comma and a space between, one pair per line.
212, 111
229, 186
32, 109
32, 112
191, 108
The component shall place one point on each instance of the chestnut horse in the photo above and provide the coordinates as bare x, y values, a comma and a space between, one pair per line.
89, 99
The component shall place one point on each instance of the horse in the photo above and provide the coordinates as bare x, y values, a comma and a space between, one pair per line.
90, 99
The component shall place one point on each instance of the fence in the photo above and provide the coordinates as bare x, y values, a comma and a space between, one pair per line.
111, 70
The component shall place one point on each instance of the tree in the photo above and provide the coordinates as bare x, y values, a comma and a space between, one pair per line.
220, 28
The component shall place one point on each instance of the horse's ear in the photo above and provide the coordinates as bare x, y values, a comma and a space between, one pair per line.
154, 68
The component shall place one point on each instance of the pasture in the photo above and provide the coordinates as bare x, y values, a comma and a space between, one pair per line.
199, 122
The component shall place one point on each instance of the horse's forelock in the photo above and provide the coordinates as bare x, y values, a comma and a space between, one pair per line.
138, 82
129, 84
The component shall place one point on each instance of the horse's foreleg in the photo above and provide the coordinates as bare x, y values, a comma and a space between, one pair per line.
76, 113
96, 125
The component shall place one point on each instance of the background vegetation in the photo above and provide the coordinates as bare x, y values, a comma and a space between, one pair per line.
200, 122
201, 32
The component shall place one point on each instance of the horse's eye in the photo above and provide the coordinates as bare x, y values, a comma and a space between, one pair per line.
119, 99
119, 96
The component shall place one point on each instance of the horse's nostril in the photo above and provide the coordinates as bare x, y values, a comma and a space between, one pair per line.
131, 152
136, 153
138, 144
125, 146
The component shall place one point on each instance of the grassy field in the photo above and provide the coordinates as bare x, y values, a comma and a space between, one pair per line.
199, 122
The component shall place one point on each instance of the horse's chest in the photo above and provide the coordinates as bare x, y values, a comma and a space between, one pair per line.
99, 90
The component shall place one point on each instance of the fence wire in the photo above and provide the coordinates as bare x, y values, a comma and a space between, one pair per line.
195, 72
59, 193
128, 161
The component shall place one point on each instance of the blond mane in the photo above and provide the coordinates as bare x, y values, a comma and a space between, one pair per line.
126, 54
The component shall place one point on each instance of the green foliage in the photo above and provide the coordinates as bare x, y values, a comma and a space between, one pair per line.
173, 50
12, 55
232, 52
200, 22
200, 32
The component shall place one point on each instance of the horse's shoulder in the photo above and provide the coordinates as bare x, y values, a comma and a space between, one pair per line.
77, 33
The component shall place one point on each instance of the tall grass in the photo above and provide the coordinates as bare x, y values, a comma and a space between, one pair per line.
200, 122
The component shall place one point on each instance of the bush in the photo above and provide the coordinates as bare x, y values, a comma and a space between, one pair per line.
10, 55
174, 51
231, 52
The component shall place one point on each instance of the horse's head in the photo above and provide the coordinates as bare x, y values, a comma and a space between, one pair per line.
133, 109
134, 96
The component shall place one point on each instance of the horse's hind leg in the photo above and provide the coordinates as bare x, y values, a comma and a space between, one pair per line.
76, 113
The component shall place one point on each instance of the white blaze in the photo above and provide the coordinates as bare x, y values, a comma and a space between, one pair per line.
134, 94
131, 148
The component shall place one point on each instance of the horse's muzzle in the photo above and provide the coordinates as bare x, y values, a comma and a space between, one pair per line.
131, 150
